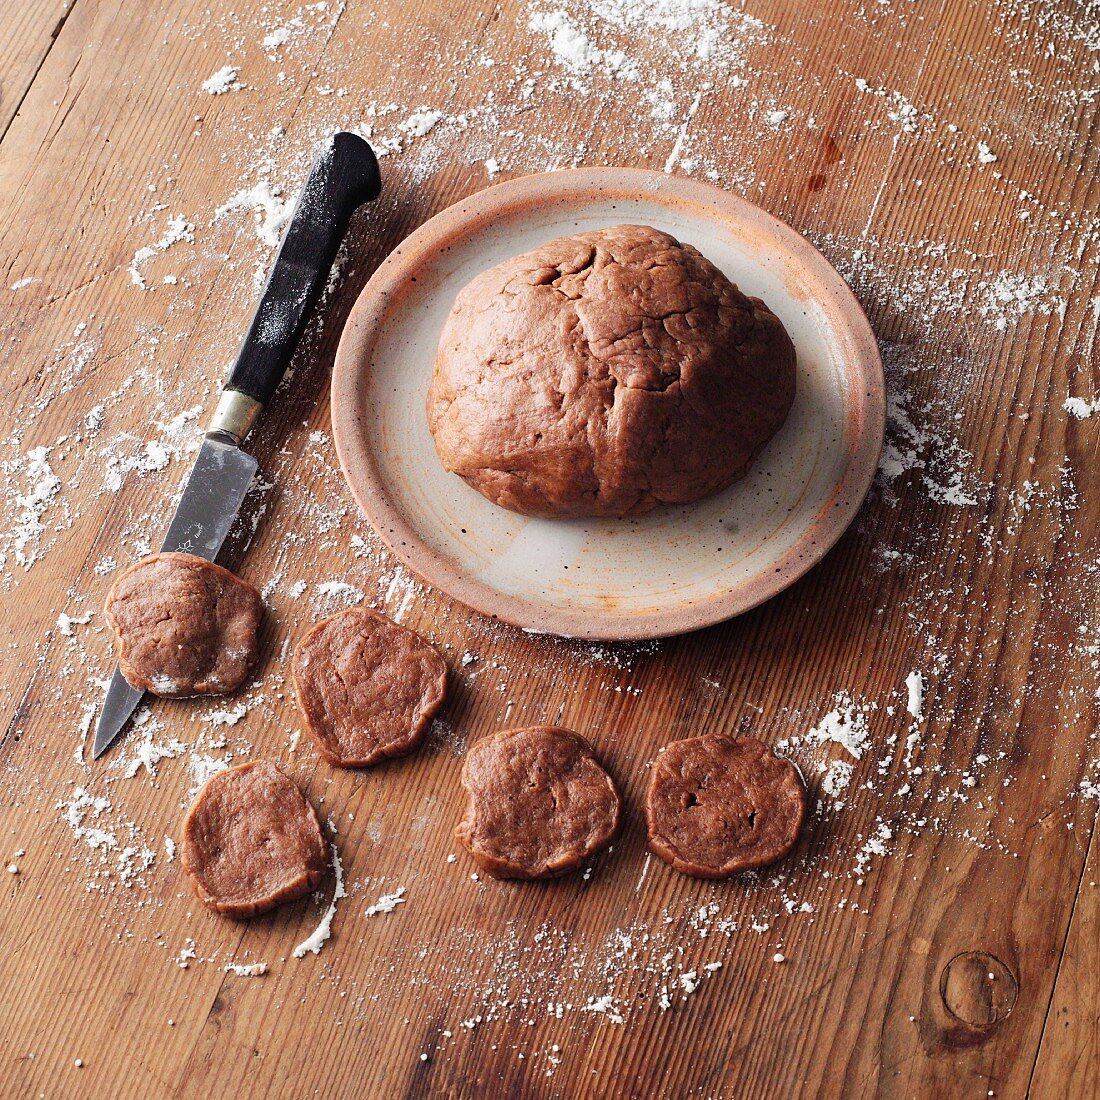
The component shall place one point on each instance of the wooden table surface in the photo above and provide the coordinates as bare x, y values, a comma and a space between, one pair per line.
937, 924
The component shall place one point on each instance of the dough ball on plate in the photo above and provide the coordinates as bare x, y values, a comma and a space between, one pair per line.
606, 373
184, 626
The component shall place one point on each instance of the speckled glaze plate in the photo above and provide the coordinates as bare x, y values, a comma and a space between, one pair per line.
677, 568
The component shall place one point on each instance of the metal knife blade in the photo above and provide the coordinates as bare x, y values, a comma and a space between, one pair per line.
344, 175
211, 500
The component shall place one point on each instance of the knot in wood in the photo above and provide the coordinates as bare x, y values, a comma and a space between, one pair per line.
978, 989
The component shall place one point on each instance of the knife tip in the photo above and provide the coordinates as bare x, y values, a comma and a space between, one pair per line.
119, 704
100, 744
105, 737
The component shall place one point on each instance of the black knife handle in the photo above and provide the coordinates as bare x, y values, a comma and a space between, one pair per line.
344, 176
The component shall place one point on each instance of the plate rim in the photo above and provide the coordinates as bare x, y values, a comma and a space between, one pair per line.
865, 407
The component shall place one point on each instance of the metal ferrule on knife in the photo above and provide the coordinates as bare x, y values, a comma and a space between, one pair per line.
235, 414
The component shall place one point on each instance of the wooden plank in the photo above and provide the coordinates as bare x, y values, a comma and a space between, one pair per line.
1068, 1057
884, 989
27, 32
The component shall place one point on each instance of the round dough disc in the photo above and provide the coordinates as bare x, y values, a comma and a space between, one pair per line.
251, 841
540, 803
184, 626
717, 805
368, 688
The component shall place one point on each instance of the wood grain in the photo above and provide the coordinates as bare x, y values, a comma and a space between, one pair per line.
29, 32
885, 989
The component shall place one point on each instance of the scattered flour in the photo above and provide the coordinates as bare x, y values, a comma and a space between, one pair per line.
271, 210
179, 230
420, 123
148, 753
203, 766
276, 38
1010, 295
246, 970
874, 846
1080, 409
845, 726
65, 623
314, 942
575, 50
914, 686
339, 590
187, 954
706, 33
944, 467
76, 812
605, 1006
224, 80
226, 717
681, 134
27, 541
837, 778
387, 903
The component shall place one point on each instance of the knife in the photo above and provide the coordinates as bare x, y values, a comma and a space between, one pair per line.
344, 176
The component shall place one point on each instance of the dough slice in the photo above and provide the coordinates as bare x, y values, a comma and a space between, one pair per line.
251, 841
368, 688
717, 805
184, 626
540, 803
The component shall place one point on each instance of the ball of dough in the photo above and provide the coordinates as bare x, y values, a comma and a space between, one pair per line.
605, 373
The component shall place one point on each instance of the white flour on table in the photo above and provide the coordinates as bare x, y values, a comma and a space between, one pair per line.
943, 310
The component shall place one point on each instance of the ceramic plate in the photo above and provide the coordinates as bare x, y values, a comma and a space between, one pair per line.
677, 568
